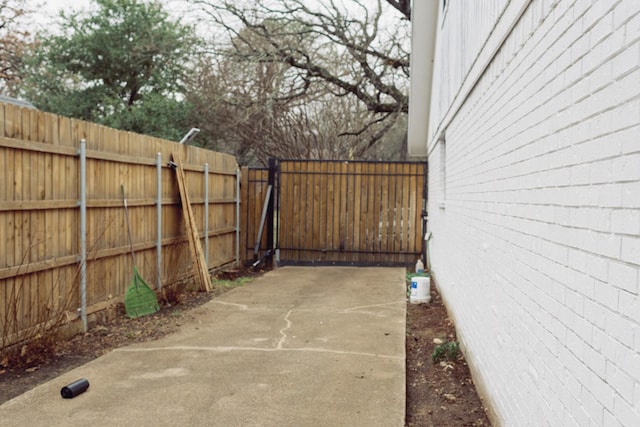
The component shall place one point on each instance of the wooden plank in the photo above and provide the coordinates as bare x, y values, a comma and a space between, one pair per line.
323, 211
244, 212
358, 194
368, 227
287, 194
305, 218
200, 265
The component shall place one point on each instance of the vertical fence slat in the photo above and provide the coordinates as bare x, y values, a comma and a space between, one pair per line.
349, 212
40, 220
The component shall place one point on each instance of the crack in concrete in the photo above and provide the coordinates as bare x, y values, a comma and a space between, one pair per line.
283, 335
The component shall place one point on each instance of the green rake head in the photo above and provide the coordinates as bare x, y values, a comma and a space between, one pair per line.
140, 300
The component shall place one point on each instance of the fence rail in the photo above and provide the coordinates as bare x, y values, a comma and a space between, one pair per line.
40, 192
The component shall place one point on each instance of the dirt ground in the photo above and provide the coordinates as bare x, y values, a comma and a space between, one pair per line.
438, 394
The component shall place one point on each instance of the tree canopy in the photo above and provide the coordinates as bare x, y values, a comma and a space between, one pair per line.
124, 65
287, 78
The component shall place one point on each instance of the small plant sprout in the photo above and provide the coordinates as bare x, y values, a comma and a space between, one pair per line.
446, 351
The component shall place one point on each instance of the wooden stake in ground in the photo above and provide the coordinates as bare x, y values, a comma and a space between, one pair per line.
199, 263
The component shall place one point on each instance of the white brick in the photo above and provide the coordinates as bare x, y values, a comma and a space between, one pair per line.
619, 328
631, 251
599, 219
597, 267
629, 138
629, 306
626, 61
600, 172
610, 420
579, 174
593, 408
606, 295
631, 195
609, 195
601, 29
623, 12
594, 312
602, 391
596, 361
632, 30
575, 344
626, 168
575, 302
575, 416
603, 244
625, 413
622, 382
623, 276
625, 221
601, 125
626, 115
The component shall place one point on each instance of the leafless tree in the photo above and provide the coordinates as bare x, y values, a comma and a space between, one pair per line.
347, 56
249, 110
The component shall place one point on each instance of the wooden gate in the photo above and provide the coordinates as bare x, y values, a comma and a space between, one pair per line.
351, 213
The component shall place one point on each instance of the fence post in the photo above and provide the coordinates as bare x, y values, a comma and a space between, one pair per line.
270, 213
83, 233
159, 221
206, 213
237, 216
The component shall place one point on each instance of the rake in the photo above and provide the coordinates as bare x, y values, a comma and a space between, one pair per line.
140, 300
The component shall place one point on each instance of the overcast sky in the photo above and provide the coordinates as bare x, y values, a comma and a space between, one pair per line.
46, 10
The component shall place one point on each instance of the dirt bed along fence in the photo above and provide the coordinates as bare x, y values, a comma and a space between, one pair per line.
42, 228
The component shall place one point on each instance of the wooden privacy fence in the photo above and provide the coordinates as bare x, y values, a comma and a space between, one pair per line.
337, 212
41, 226
355, 212
254, 190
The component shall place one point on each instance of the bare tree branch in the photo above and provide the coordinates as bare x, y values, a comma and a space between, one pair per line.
271, 34
404, 6
300, 79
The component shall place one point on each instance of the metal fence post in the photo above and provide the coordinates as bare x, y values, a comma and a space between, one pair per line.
237, 215
159, 221
83, 233
206, 213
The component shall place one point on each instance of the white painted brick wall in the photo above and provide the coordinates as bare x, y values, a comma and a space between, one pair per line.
536, 243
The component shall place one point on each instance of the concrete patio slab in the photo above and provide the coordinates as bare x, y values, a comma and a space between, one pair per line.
299, 346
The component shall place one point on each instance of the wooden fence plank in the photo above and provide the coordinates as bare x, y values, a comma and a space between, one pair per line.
349, 212
39, 215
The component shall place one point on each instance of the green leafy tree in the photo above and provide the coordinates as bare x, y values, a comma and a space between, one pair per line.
124, 65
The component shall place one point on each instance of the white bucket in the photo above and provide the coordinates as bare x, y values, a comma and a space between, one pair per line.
420, 290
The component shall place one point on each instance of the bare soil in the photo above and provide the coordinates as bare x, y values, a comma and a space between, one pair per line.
438, 394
